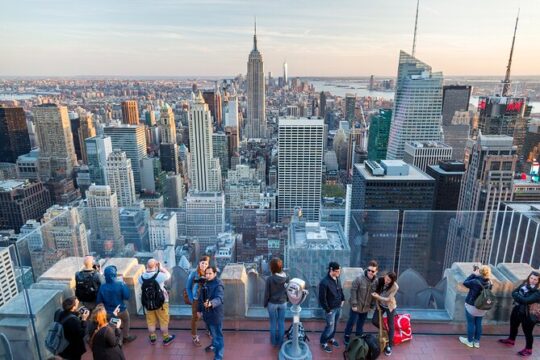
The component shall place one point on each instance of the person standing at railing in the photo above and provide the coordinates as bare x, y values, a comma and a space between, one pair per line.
113, 294
331, 299
193, 283
479, 280
87, 283
210, 307
73, 321
385, 294
275, 300
524, 295
156, 300
106, 338
361, 300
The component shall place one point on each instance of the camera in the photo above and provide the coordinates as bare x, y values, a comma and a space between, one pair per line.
82, 310
475, 267
114, 321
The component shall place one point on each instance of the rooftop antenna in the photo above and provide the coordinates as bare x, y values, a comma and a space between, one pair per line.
415, 28
506, 81
255, 35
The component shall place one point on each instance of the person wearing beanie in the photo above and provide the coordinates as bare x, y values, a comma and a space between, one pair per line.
331, 299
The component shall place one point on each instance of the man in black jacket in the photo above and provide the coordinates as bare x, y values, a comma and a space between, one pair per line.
74, 324
331, 300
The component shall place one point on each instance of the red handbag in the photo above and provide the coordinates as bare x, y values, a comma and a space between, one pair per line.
402, 328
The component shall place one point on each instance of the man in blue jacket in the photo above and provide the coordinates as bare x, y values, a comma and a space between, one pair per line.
113, 295
331, 300
211, 309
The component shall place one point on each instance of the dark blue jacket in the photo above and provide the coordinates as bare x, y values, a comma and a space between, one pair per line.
113, 292
475, 284
212, 291
330, 293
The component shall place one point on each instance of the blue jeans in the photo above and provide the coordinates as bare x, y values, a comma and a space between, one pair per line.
474, 327
332, 319
276, 312
216, 330
359, 319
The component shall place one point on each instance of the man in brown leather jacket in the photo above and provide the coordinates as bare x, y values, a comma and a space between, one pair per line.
361, 299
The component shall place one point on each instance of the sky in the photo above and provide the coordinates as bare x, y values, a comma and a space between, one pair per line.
214, 37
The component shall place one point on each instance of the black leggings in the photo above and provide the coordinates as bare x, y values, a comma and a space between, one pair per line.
516, 318
390, 315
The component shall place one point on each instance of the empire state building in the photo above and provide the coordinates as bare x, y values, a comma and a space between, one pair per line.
256, 120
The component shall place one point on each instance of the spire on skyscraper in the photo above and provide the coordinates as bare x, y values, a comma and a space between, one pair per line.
255, 35
506, 81
415, 28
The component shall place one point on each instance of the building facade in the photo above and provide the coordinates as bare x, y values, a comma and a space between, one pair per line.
14, 138
120, 178
424, 153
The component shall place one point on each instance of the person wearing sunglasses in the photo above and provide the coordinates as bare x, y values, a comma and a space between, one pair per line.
361, 299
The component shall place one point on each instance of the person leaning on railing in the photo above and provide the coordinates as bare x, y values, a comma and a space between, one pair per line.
525, 295
275, 300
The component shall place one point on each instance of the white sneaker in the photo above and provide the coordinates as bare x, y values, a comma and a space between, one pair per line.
465, 341
476, 344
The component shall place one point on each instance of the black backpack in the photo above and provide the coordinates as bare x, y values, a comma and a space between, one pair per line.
363, 347
87, 286
152, 296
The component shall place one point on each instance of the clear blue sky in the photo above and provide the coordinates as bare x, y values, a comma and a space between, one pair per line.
213, 37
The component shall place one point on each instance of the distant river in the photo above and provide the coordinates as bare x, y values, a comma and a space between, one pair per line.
16, 96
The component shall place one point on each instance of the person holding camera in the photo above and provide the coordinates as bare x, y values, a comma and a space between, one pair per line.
106, 340
87, 283
193, 293
476, 282
331, 299
113, 295
73, 320
210, 307
156, 300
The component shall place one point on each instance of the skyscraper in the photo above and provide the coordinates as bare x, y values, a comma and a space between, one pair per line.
120, 178
205, 170
230, 111
104, 219
300, 167
486, 184
455, 98
98, 149
167, 125
285, 74
132, 140
65, 231
424, 153
57, 153
379, 130
14, 138
162, 230
8, 281
417, 105
350, 105
21, 201
255, 126
130, 112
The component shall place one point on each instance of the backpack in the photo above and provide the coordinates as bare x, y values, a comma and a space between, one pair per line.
55, 341
485, 300
152, 296
302, 336
358, 349
87, 286
534, 312
373, 344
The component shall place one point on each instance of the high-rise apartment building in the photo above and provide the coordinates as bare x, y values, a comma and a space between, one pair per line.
300, 159
57, 153
14, 138
486, 184
424, 153
379, 130
8, 281
162, 230
455, 98
130, 112
120, 178
104, 219
64, 230
98, 149
205, 170
132, 140
255, 126
20, 201
417, 105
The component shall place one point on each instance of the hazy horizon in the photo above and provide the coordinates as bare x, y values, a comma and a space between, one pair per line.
62, 38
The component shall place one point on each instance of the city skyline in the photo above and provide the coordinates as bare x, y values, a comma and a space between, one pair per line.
113, 39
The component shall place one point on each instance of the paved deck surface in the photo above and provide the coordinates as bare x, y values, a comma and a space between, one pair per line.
254, 345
